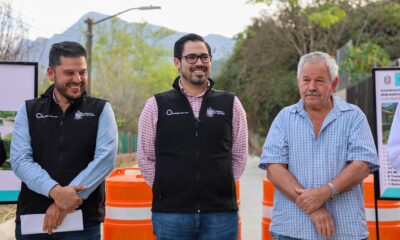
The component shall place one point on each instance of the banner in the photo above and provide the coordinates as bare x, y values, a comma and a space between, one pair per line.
387, 97
18, 82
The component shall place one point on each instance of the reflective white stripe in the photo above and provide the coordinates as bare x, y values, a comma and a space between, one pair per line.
130, 172
267, 211
384, 214
120, 213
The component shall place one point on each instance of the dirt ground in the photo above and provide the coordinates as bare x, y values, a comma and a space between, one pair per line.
7, 211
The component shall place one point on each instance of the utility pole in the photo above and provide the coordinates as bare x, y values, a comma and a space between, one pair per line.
89, 42
89, 39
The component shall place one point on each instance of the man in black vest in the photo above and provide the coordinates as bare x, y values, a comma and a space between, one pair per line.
192, 147
64, 144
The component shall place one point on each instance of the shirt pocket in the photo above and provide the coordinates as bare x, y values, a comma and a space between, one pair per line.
336, 153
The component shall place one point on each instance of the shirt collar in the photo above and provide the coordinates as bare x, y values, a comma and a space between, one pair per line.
54, 97
198, 96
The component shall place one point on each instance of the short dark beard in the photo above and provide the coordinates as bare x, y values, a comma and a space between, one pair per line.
198, 83
62, 91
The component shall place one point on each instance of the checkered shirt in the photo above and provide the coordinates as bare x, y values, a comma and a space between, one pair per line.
147, 134
344, 136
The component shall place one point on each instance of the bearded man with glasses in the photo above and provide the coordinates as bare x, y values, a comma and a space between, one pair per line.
192, 146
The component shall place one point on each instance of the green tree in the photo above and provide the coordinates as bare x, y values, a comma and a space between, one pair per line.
360, 60
378, 23
129, 65
260, 76
262, 68
44, 82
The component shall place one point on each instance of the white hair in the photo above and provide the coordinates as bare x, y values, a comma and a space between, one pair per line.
315, 57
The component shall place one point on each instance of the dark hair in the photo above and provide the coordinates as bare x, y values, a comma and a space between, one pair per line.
65, 49
180, 44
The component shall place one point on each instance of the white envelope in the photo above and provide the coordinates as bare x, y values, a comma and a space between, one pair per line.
33, 223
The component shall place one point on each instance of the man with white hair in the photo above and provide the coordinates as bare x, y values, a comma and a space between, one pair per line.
316, 154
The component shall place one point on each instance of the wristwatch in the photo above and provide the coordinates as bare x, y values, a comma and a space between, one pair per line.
334, 191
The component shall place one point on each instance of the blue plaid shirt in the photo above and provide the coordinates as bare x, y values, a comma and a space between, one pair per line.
344, 136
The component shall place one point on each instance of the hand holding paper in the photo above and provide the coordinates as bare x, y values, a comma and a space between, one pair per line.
33, 223
53, 218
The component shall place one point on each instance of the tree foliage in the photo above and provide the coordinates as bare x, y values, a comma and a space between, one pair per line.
12, 32
129, 65
327, 15
379, 24
262, 68
360, 60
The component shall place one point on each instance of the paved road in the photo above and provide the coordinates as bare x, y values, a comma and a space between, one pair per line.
251, 194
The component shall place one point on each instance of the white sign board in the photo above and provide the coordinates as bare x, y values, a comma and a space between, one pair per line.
387, 96
18, 82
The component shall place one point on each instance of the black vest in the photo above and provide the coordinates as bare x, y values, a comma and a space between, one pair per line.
63, 144
194, 156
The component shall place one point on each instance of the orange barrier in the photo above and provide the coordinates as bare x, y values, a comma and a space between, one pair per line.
128, 206
238, 203
268, 201
388, 214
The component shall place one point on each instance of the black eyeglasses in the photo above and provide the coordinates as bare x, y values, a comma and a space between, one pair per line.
192, 58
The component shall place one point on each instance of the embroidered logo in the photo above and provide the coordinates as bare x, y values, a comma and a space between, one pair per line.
41, 115
169, 112
212, 112
79, 115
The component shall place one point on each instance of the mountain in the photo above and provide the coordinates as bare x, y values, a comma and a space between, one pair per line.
39, 49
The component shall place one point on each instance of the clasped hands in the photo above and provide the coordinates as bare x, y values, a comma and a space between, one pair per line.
66, 200
311, 202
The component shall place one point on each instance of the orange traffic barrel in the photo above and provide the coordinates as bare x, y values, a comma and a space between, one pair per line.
238, 203
268, 201
388, 214
128, 206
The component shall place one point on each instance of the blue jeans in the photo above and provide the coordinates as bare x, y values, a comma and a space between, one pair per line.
195, 226
276, 236
91, 232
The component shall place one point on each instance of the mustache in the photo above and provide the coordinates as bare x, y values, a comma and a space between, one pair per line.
312, 94
75, 84
199, 68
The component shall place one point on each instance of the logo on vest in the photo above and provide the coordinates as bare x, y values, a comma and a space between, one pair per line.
79, 115
169, 112
212, 112
41, 115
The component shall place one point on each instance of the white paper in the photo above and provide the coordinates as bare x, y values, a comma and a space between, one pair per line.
33, 223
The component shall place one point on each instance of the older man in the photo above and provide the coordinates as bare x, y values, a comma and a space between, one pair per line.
316, 154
